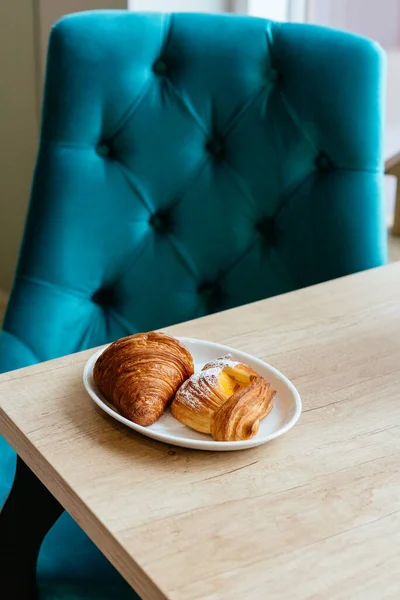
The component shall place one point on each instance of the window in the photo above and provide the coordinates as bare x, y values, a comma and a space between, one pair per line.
277, 10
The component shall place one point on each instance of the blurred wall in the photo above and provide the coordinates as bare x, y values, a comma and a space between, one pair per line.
211, 6
377, 19
52, 10
18, 126
24, 30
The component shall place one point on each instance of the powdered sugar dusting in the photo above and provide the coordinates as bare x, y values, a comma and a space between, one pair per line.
198, 384
220, 363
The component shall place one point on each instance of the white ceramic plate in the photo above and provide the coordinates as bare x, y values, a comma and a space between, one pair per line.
167, 429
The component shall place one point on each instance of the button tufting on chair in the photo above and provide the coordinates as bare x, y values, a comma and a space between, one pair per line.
161, 221
323, 163
104, 296
104, 149
266, 228
215, 148
160, 67
212, 294
275, 76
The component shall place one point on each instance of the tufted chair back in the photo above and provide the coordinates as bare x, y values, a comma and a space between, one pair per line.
190, 163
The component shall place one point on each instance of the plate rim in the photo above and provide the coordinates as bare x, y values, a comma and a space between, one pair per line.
211, 445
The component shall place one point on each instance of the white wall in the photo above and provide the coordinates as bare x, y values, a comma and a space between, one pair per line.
392, 127
377, 19
276, 10
180, 5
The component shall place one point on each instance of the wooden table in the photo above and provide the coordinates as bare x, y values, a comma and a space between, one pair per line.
315, 514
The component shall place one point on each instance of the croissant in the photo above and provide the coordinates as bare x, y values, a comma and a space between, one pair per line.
226, 399
140, 374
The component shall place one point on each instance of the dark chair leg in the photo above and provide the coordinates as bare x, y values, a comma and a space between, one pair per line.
27, 515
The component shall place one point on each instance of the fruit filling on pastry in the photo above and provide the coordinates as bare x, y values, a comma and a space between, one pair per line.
226, 399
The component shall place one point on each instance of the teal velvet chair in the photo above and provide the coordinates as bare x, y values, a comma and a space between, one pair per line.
188, 163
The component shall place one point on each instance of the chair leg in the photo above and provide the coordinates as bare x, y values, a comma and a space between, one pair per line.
396, 223
27, 515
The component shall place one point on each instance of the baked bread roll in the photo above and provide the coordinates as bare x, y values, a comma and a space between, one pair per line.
141, 373
227, 399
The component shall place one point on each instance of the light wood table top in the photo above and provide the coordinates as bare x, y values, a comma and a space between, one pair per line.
314, 514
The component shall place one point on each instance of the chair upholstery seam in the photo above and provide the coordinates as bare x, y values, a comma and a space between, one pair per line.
238, 259
82, 146
56, 286
231, 125
190, 112
240, 183
180, 193
358, 170
133, 183
23, 342
286, 198
66, 144
130, 265
121, 321
292, 113
131, 111
184, 257
167, 18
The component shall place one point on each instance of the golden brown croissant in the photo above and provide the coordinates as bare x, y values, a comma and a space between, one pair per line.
141, 373
227, 399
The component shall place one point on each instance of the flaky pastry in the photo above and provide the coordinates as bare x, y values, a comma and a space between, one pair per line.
141, 373
227, 399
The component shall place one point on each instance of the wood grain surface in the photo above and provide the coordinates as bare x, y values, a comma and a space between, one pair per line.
312, 515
